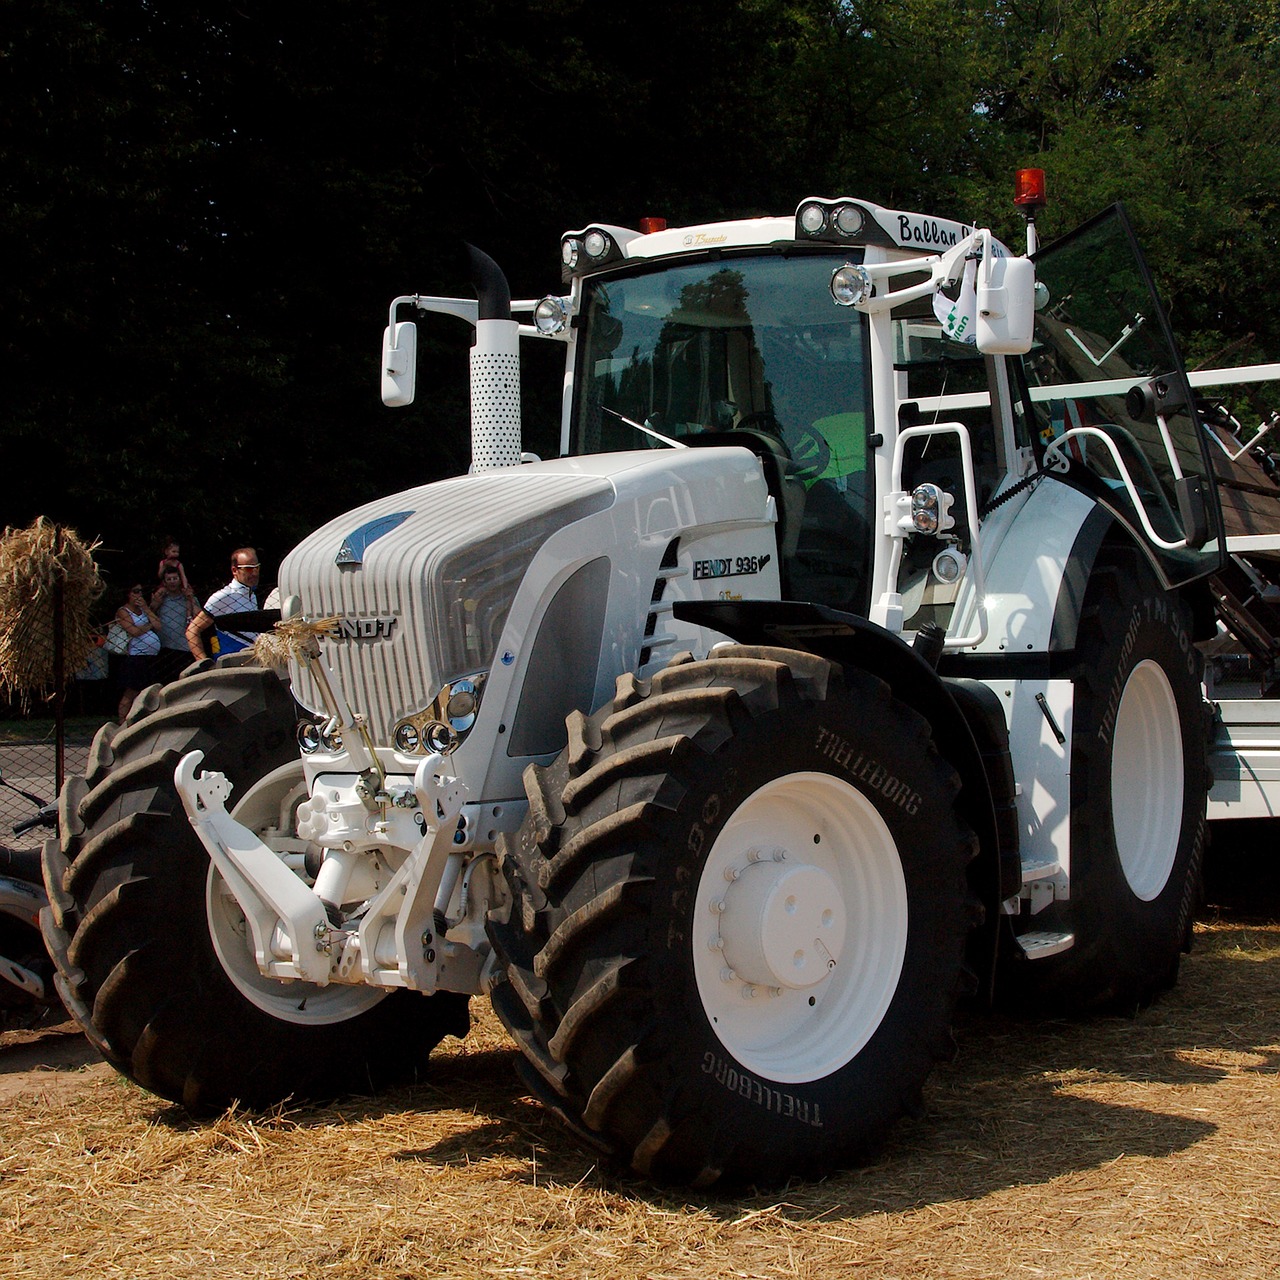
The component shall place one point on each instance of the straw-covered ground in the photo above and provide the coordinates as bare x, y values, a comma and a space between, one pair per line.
1100, 1148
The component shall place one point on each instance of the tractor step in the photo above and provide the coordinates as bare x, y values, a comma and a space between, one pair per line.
1041, 943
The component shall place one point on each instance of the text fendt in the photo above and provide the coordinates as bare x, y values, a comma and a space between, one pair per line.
851, 657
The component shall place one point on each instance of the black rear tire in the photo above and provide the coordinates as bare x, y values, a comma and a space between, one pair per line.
1139, 783
132, 903
774, 787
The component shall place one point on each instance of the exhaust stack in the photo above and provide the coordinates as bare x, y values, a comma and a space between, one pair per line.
495, 370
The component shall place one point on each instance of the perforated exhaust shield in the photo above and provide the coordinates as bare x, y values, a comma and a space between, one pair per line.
495, 396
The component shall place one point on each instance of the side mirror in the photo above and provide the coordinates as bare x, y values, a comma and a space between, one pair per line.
1006, 306
399, 363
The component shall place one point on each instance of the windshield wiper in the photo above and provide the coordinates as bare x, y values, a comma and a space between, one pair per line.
649, 431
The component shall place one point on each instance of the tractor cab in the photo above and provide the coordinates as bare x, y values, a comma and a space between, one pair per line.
742, 350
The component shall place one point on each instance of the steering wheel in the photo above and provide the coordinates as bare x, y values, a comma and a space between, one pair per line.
807, 451
761, 420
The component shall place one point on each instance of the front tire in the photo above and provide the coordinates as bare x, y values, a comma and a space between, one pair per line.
144, 935
738, 921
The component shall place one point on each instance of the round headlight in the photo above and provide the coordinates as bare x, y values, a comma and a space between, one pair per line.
813, 219
850, 285
569, 250
331, 740
406, 738
461, 708
308, 735
440, 738
550, 315
949, 565
596, 243
848, 219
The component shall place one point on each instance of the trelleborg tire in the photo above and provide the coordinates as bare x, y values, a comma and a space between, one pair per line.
739, 909
151, 949
1139, 782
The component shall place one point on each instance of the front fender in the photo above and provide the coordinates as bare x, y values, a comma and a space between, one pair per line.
970, 738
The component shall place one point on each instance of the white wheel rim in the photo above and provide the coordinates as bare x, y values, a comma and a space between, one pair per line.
303, 1003
806, 854
1147, 780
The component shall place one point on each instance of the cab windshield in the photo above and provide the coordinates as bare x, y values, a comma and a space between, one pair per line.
746, 350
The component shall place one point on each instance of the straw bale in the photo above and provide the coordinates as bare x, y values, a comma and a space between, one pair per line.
32, 561
1137, 1148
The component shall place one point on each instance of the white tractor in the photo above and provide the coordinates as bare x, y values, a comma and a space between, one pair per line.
846, 659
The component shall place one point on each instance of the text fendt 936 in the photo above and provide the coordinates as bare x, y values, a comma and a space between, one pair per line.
845, 660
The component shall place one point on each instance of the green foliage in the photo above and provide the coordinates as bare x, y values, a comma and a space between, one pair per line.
207, 207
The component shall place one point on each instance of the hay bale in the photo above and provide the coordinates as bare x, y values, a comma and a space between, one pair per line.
34, 563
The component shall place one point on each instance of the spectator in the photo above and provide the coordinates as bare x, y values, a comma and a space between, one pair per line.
170, 558
175, 607
240, 595
137, 664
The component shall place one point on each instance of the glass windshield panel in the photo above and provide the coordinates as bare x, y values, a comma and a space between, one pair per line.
751, 351
1100, 332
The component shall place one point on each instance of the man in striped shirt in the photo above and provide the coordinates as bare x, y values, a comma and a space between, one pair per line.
240, 595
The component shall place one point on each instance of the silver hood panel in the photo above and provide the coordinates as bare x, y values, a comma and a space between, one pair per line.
423, 580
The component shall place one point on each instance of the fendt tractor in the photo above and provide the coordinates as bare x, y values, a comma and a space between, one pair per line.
849, 658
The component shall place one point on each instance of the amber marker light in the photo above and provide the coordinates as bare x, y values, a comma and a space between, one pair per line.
1028, 189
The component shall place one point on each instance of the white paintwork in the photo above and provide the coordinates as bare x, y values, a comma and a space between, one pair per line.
1030, 544
285, 918
1042, 767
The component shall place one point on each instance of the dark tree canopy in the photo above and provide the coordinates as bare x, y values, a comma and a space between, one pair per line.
207, 207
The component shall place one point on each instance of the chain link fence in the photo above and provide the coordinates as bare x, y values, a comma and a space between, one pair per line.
29, 765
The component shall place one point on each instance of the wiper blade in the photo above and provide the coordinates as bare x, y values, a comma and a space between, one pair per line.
649, 431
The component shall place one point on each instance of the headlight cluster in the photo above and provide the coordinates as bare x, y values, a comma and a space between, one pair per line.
312, 735
834, 220
587, 251
440, 727
445, 723
931, 509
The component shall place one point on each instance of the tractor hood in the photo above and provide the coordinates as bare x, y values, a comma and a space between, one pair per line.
421, 582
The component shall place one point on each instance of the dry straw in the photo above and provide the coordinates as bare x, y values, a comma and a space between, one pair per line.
33, 561
1139, 1148
296, 639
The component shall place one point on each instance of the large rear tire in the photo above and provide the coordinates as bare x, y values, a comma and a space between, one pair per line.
1139, 783
738, 919
151, 949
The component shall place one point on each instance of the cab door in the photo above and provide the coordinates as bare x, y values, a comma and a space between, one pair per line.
1114, 411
